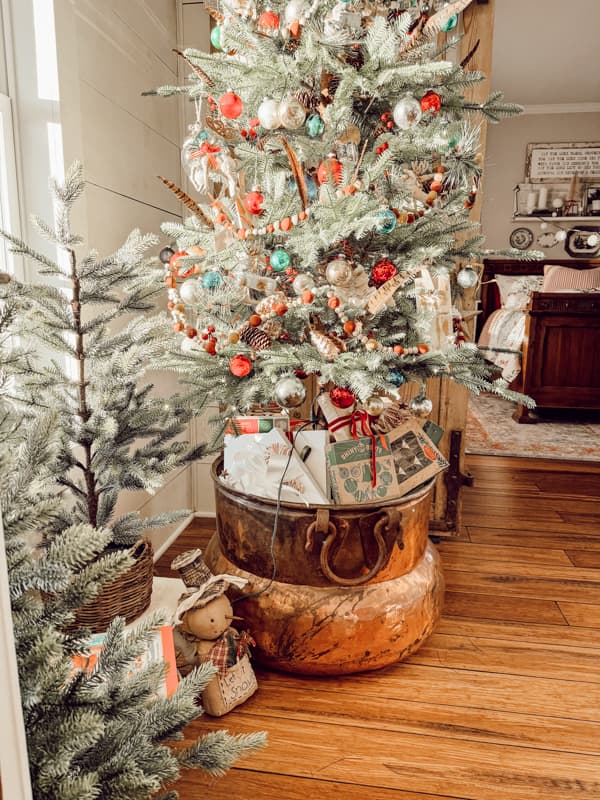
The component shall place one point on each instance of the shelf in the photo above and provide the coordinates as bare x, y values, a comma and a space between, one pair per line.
550, 218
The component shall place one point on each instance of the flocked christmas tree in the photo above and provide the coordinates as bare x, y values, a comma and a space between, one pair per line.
106, 734
335, 162
96, 339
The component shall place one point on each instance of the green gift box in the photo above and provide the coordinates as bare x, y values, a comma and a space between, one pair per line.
350, 465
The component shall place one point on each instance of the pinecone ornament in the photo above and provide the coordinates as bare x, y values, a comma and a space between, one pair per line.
354, 57
256, 338
328, 345
391, 417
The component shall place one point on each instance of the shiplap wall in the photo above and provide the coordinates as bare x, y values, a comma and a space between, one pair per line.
117, 51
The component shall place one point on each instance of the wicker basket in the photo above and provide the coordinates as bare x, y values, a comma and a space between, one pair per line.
128, 596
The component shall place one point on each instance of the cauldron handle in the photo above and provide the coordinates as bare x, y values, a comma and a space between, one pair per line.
382, 555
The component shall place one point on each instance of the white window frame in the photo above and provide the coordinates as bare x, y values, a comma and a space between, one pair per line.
9, 197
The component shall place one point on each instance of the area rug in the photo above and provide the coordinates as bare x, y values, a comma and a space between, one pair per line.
492, 431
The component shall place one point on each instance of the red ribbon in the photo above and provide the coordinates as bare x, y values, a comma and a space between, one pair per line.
360, 420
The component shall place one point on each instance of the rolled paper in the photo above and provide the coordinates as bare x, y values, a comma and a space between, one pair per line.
531, 202
543, 198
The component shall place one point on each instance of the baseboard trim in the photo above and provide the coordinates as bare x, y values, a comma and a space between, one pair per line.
179, 530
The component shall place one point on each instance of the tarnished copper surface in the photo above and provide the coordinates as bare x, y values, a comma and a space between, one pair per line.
337, 630
362, 543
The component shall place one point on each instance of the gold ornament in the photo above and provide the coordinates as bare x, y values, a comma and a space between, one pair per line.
374, 405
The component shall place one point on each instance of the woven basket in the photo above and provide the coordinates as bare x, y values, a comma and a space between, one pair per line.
128, 596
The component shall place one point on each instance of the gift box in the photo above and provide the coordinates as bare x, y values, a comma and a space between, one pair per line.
257, 424
311, 446
362, 470
256, 463
344, 423
416, 459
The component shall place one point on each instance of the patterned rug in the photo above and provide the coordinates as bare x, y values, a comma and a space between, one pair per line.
492, 431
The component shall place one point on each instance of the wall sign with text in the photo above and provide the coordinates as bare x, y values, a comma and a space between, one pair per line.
559, 161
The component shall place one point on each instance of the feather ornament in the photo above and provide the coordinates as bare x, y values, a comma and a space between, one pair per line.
187, 201
328, 345
434, 24
196, 70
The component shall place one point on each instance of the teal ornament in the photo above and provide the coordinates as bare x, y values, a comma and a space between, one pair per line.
215, 37
279, 259
453, 141
386, 221
396, 377
210, 280
314, 125
451, 24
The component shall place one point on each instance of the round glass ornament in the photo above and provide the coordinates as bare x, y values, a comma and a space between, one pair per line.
407, 112
386, 221
280, 259
290, 392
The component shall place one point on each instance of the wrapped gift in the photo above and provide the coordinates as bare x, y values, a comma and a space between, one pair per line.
362, 470
311, 446
415, 457
344, 423
256, 464
434, 300
262, 423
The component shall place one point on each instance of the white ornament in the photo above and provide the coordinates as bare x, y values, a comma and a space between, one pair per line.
228, 169
301, 283
291, 114
294, 10
407, 112
560, 236
467, 278
593, 240
268, 114
189, 291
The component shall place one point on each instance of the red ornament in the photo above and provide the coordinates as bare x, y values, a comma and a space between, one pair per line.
329, 167
253, 202
342, 397
382, 271
230, 105
431, 102
174, 260
240, 366
269, 19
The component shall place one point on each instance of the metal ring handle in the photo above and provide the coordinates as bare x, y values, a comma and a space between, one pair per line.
341, 581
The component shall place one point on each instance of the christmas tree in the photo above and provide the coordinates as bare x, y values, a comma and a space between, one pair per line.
99, 339
335, 161
106, 734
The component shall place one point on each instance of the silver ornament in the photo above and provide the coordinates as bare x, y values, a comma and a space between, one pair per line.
374, 405
268, 114
189, 291
407, 112
301, 283
291, 114
421, 406
467, 278
290, 392
339, 271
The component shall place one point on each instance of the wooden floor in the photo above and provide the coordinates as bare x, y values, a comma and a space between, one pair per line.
501, 703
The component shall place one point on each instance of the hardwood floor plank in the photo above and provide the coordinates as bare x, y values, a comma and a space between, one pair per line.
581, 614
535, 538
456, 553
486, 606
376, 712
508, 629
248, 784
583, 588
584, 558
510, 657
494, 691
395, 760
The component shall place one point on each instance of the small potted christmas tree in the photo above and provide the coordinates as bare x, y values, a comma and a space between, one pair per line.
98, 336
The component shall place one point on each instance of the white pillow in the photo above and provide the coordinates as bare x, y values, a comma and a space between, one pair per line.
515, 289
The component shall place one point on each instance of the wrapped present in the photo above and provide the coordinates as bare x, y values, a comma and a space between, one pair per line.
416, 459
434, 300
261, 423
311, 446
257, 464
344, 423
362, 470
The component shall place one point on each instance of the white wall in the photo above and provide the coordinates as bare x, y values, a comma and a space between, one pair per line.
505, 166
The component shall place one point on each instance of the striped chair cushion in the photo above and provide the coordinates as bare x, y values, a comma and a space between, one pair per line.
565, 279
